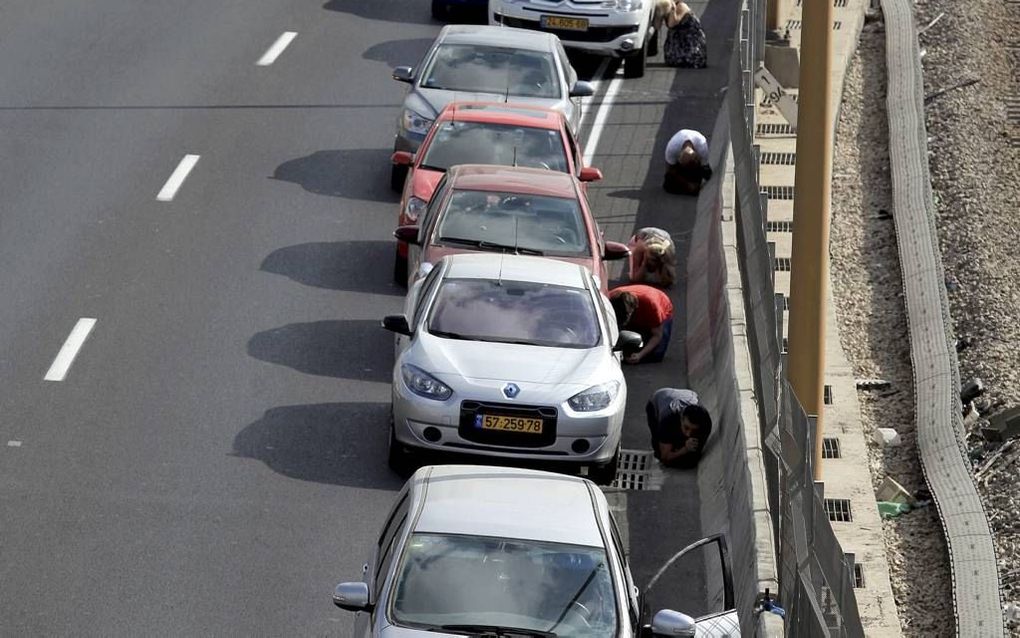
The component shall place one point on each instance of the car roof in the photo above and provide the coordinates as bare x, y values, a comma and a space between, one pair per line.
493, 266
509, 503
497, 36
501, 113
512, 179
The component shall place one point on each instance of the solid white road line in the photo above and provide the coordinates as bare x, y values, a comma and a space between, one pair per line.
601, 116
177, 178
274, 51
586, 101
14, 444
70, 349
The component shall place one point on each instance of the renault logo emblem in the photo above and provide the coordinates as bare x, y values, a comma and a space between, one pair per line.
511, 390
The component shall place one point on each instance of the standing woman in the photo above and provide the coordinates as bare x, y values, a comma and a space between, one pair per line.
686, 45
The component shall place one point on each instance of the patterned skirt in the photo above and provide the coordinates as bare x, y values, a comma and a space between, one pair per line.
686, 45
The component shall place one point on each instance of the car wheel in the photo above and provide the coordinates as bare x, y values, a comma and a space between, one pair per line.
653, 43
634, 64
605, 474
397, 457
399, 269
439, 10
398, 174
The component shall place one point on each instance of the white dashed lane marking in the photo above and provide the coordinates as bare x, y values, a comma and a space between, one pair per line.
80, 332
169, 190
601, 116
14, 444
274, 51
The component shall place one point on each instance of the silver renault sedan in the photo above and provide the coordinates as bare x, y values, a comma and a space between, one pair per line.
484, 63
510, 357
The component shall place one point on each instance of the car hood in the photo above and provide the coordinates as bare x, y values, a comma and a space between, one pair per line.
392, 631
538, 365
429, 102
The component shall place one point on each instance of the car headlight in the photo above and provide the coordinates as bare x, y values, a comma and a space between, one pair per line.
597, 397
415, 207
415, 123
622, 5
424, 384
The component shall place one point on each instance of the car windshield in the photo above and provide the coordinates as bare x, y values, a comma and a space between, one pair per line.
485, 69
483, 143
515, 312
535, 224
450, 580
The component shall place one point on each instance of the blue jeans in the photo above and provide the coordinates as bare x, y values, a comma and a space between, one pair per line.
655, 356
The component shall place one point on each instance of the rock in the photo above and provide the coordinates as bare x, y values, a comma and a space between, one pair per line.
887, 437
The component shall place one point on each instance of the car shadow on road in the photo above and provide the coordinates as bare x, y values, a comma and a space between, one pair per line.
388, 10
362, 173
337, 265
348, 349
399, 52
333, 443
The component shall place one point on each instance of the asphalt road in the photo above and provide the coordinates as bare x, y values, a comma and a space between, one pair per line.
214, 460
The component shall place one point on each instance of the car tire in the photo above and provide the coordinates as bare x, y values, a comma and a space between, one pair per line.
605, 474
399, 269
398, 174
397, 457
653, 43
634, 64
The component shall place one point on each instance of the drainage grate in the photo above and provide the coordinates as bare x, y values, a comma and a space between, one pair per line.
858, 576
827, 395
779, 159
779, 227
1013, 109
838, 510
770, 128
839, 3
638, 471
830, 448
778, 192
782, 264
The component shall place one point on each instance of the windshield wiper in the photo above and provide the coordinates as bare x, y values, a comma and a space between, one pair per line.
494, 630
491, 245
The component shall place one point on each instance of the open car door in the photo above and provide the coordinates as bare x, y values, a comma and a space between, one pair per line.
723, 623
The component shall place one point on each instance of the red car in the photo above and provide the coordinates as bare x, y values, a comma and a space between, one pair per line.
526, 211
484, 133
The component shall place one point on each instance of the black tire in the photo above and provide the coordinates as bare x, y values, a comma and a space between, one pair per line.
653, 43
399, 269
397, 457
398, 174
439, 10
605, 474
634, 64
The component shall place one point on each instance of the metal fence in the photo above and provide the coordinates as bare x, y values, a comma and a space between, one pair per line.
815, 576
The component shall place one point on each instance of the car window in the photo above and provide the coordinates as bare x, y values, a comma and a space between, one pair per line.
388, 552
533, 224
423, 296
443, 580
621, 552
433, 206
486, 143
478, 68
574, 152
568, 69
514, 312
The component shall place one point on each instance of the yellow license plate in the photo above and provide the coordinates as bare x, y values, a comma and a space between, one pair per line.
511, 423
571, 24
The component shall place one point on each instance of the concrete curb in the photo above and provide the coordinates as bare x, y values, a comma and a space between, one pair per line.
940, 442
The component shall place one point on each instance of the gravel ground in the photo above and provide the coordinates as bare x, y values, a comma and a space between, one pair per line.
975, 166
873, 329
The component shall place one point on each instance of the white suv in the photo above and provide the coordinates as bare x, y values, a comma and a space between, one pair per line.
618, 28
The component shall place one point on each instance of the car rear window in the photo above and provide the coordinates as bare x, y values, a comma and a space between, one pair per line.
485, 143
478, 68
515, 312
532, 224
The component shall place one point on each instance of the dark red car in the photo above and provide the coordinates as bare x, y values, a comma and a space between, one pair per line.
484, 133
526, 211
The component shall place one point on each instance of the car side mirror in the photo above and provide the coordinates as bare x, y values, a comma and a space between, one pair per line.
590, 174
628, 342
397, 324
582, 89
408, 234
402, 158
403, 74
353, 597
672, 623
615, 250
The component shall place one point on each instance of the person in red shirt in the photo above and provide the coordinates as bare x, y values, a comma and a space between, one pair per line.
647, 311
